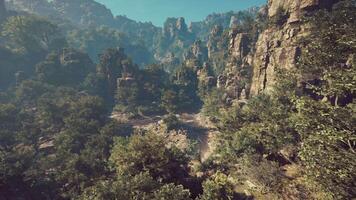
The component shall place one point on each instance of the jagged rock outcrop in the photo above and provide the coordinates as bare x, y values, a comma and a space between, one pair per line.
203, 28
252, 64
234, 22
198, 51
175, 38
235, 79
214, 41
174, 27
278, 46
239, 45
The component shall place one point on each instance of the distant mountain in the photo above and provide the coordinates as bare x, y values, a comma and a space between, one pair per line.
225, 20
172, 40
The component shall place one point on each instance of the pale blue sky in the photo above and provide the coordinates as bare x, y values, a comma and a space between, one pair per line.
157, 11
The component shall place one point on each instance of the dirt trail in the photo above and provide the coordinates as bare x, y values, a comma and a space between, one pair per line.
203, 130
197, 126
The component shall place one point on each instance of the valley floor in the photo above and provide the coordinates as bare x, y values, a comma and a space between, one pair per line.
198, 128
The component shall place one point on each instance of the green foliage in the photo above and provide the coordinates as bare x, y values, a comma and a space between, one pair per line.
328, 132
172, 192
95, 40
96, 84
217, 187
128, 96
154, 79
115, 64
170, 101
68, 68
326, 127
171, 121
140, 186
330, 51
147, 153
32, 34
185, 86
213, 102
57, 141
10, 64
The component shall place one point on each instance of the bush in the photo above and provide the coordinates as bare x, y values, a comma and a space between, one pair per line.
171, 121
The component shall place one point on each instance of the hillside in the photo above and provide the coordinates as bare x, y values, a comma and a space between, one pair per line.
255, 104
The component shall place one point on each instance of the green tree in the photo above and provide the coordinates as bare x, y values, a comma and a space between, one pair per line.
217, 187
32, 34
149, 153
68, 68
170, 101
329, 53
325, 118
172, 192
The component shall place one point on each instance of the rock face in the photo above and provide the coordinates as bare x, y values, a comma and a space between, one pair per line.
198, 52
175, 38
174, 27
214, 41
277, 47
84, 12
235, 80
251, 66
238, 45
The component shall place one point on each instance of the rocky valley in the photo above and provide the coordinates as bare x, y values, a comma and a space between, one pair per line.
251, 104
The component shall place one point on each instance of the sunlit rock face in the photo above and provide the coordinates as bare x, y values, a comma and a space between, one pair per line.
174, 39
174, 27
251, 65
278, 46
197, 51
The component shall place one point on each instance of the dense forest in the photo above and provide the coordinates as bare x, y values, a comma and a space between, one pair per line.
255, 104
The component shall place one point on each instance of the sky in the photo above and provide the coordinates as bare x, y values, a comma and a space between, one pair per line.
156, 11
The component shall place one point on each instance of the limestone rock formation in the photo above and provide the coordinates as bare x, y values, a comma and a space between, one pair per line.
251, 67
278, 46
235, 79
198, 51
175, 38
174, 27
238, 45
214, 41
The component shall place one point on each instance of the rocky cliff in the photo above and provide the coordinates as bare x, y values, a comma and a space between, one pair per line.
252, 64
278, 46
174, 39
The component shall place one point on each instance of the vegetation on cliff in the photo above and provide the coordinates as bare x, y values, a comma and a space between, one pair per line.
81, 120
